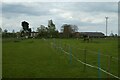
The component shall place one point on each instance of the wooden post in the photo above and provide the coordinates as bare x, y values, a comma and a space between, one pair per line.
99, 73
84, 60
70, 53
109, 63
60, 46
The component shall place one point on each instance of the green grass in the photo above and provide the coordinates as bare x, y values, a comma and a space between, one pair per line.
37, 58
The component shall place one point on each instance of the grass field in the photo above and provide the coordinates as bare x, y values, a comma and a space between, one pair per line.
38, 58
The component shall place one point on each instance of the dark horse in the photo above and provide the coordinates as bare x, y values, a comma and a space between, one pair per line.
86, 38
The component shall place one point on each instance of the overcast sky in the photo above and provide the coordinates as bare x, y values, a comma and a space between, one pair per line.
88, 16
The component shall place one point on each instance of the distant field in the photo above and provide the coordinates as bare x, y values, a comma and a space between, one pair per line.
43, 58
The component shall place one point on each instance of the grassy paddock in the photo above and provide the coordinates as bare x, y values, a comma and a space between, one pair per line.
33, 58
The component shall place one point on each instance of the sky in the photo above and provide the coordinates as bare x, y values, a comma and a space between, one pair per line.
88, 16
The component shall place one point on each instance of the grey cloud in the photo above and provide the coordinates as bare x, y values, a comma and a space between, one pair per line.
90, 6
18, 9
34, 10
102, 7
60, 21
0, 8
43, 8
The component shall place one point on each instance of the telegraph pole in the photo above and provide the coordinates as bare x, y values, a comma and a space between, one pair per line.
33, 29
106, 24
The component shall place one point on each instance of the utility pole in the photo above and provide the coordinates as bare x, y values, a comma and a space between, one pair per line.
33, 29
106, 24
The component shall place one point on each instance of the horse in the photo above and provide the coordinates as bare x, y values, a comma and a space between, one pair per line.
86, 38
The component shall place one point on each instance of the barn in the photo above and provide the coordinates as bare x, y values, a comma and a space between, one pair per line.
92, 34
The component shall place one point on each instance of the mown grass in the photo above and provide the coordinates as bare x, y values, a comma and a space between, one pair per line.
37, 58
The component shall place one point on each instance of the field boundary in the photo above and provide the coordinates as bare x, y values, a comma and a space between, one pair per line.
84, 63
100, 54
91, 65
53, 44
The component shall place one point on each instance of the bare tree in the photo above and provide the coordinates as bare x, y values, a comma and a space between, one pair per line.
74, 28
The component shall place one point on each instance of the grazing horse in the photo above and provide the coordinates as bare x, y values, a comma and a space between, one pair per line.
86, 38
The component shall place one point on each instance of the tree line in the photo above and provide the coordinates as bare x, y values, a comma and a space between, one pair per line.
66, 31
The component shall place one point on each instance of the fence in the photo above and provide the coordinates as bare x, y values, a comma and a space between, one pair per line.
83, 58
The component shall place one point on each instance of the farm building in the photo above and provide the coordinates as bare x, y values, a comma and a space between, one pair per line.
92, 34
76, 34
34, 34
82, 34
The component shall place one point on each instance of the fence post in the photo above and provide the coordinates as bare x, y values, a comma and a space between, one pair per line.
57, 46
70, 53
109, 62
99, 73
54, 43
65, 47
84, 60
60, 47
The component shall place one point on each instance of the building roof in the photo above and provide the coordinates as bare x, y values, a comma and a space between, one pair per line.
92, 33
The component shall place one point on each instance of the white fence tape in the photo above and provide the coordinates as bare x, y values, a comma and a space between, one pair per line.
90, 65
100, 54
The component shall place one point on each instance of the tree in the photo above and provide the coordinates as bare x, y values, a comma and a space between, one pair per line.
13, 33
29, 31
25, 25
51, 28
112, 35
42, 31
26, 30
74, 28
4, 34
5, 31
116, 35
42, 28
0, 30
56, 34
